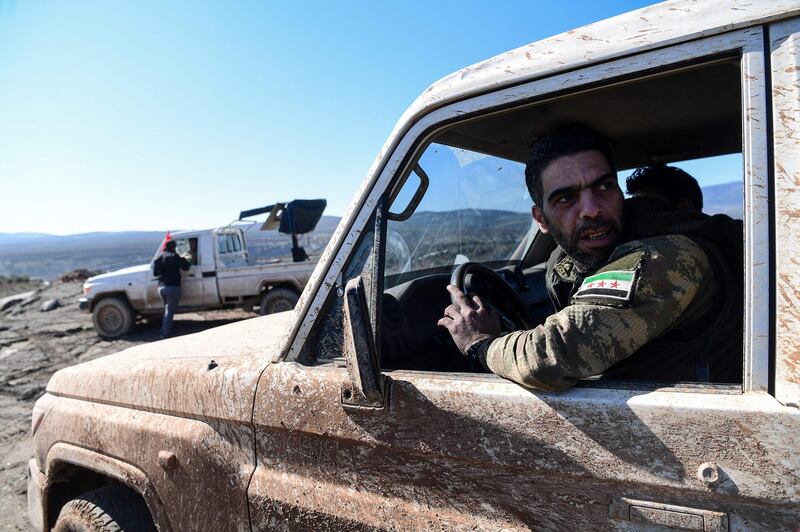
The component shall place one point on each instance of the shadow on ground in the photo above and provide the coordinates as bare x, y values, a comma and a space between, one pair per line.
148, 331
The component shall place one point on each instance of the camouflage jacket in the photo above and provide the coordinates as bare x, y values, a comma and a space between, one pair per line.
662, 303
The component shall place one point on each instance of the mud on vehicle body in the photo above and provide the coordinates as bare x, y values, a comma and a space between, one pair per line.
355, 412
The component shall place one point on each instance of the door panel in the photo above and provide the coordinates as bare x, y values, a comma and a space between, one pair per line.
192, 290
465, 450
195, 282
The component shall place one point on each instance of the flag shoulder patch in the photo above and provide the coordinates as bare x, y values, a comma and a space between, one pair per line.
616, 285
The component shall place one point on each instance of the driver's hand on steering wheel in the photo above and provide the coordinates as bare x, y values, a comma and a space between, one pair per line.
469, 320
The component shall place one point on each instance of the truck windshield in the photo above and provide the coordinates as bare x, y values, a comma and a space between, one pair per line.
477, 208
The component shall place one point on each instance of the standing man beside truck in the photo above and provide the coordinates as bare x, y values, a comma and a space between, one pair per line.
167, 268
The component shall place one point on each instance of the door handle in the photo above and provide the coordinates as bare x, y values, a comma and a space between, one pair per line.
668, 515
209, 274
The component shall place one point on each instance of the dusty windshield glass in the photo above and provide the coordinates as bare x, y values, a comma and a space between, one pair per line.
476, 208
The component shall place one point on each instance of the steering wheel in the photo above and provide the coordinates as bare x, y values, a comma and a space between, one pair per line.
495, 292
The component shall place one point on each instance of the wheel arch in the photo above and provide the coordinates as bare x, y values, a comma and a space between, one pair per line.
291, 284
105, 295
72, 471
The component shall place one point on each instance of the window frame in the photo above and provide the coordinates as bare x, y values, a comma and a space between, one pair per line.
748, 43
784, 37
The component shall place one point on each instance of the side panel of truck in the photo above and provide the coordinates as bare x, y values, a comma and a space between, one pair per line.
461, 450
247, 281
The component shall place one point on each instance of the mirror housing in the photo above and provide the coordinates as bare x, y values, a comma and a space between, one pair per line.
424, 181
368, 386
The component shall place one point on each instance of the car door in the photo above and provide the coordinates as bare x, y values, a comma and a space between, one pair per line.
204, 269
340, 445
192, 281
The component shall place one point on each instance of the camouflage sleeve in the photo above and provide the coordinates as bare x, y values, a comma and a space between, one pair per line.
593, 333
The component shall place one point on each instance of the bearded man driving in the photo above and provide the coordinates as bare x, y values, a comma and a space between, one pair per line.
641, 290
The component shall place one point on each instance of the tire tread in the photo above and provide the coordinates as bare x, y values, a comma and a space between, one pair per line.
112, 508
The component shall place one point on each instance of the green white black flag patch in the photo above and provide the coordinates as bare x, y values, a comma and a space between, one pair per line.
614, 284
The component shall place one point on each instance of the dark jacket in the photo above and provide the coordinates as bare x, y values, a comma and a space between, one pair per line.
167, 268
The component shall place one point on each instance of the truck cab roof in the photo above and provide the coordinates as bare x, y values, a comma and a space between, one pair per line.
653, 27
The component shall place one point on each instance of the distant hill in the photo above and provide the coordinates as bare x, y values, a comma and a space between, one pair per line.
21, 237
490, 233
726, 198
45, 256
78, 241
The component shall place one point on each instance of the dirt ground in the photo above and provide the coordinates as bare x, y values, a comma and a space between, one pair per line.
33, 346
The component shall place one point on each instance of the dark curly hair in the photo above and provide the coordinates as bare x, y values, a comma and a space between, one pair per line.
668, 181
566, 140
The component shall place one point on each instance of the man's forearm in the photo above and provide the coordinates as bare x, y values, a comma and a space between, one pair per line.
540, 358
589, 336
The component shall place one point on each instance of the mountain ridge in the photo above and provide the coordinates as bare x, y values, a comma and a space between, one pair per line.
45, 256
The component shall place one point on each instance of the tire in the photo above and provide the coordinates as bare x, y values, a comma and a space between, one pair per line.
108, 509
278, 300
113, 317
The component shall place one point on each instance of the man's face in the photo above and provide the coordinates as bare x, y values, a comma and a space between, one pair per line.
581, 207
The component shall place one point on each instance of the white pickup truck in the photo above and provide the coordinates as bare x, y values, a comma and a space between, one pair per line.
223, 274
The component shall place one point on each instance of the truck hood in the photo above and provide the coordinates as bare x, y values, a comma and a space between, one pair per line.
124, 272
211, 374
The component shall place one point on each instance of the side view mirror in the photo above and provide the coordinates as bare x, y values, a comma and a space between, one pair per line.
424, 181
367, 388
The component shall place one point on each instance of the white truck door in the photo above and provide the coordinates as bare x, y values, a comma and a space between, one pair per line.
191, 284
205, 269
192, 280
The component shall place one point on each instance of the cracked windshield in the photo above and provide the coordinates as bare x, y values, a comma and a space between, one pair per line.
476, 208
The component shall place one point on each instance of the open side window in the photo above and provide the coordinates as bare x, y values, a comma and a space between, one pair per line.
698, 110
477, 207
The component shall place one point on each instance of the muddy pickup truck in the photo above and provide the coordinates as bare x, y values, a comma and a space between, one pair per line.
222, 273
355, 411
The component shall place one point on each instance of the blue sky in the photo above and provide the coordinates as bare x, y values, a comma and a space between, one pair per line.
165, 115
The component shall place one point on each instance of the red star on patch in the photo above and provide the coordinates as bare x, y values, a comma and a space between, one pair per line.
614, 284
601, 284
591, 285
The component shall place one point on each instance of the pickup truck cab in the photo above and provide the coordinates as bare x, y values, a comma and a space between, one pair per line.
223, 274
354, 411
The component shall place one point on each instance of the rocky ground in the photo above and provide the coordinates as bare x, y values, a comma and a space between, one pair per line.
34, 344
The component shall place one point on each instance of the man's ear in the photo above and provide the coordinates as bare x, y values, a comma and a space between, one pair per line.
538, 215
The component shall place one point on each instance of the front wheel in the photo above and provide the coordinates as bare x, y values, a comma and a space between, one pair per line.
112, 317
108, 509
278, 300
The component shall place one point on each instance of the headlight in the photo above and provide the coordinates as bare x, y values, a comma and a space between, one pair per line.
86, 289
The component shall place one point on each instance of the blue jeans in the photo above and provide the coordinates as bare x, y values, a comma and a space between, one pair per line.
170, 295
